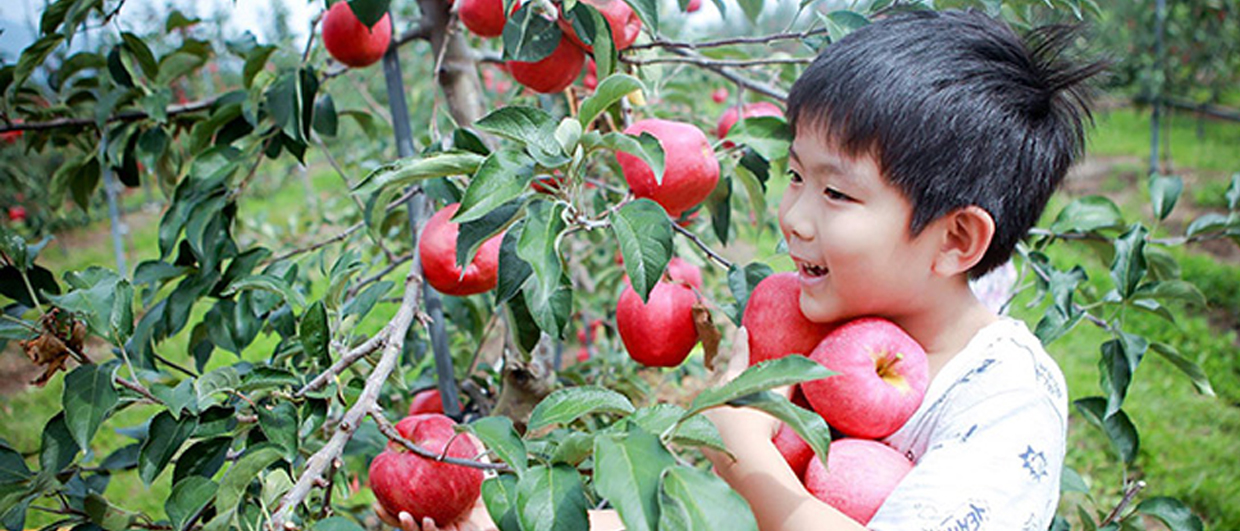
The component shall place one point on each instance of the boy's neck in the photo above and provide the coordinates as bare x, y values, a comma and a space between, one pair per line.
947, 323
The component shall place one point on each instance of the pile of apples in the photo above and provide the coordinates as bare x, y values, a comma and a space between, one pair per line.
880, 381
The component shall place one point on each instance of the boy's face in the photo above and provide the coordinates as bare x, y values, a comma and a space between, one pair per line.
847, 233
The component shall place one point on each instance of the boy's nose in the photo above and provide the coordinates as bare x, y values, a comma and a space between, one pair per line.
794, 220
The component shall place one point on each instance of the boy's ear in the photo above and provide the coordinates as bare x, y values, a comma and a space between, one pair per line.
966, 237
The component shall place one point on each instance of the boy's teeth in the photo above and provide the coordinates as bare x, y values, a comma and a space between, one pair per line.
814, 271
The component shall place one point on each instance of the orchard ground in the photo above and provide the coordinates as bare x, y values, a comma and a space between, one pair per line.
1197, 466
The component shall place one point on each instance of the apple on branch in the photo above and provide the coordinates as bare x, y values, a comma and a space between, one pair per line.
351, 42
422, 487
437, 250
660, 332
691, 170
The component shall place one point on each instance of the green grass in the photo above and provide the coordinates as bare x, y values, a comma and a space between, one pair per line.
1126, 131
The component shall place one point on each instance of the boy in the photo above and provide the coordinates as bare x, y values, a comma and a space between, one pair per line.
926, 145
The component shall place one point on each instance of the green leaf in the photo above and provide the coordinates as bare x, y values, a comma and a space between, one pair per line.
574, 449
34, 56
269, 283
769, 374
142, 54
255, 62
648, 12
203, 458
513, 271
473, 234
1233, 193
530, 126
696, 500
752, 9
244, 471
1071, 481
644, 146
58, 449
279, 424
410, 170
1164, 192
498, 435
1088, 214
12, 466
283, 99
314, 333
88, 400
842, 22
529, 36
645, 236
742, 281
1128, 268
1208, 222
14, 248
164, 440
1118, 428
1194, 371
627, 469
188, 498
552, 499
502, 177
1172, 512
719, 203
1172, 290
325, 119
499, 493
769, 136
1119, 361
809, 425
609, 91
179, 398
550, 300
569, 404
369, 12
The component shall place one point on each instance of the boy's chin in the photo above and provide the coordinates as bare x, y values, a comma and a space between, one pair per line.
820, 311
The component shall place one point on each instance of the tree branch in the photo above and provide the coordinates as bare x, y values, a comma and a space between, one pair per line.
376, 342
735, 41
702, 245
721, 63
756, 86
322, 459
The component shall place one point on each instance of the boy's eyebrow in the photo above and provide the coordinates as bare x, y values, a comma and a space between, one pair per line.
830, 165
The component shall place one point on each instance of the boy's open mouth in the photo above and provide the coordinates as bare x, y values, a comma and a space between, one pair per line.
811, 270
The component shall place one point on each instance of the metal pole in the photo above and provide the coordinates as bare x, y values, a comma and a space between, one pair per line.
417, 207
1160, 15
118, 226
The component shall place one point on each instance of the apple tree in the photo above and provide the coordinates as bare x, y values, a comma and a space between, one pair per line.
301, 352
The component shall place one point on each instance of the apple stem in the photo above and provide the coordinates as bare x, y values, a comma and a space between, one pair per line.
884, 363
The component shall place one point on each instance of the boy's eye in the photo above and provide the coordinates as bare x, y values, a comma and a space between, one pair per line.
832, 193
794, 176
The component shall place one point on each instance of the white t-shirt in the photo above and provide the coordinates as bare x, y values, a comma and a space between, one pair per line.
988, 441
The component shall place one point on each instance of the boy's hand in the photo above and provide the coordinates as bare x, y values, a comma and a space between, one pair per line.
478, 519
740, 428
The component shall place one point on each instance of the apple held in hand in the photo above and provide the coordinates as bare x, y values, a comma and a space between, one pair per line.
881, 378
659, 333
404, 481
775, 323
859, 476
437, 249
351, 42
794, 449
691, 171
428, 401
552, 73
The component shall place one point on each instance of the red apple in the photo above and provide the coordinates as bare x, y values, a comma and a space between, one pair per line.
732, 115
427, 401
437, 249
17, 213
693, 6
794, 449
485, 18
624, 23
11, 137
590, 81
720, 94
881, 377
683, 271
691, 171
405, 481
659, 333
553, 73
859, 476
350, 41
775, 323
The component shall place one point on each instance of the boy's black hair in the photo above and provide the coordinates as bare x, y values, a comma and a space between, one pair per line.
957, 110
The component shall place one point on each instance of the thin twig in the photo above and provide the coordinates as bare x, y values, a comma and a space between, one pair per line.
376, 342
170, 363
137, 388
356, 200
319, 462
386, 428
721, 63
1129, 495
316, 246
702, 245
377, 276
734, 41
742, 81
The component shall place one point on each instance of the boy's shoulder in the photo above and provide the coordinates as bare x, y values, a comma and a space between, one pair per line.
1003, 358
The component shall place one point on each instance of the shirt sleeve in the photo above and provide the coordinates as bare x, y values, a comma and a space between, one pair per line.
994, 464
